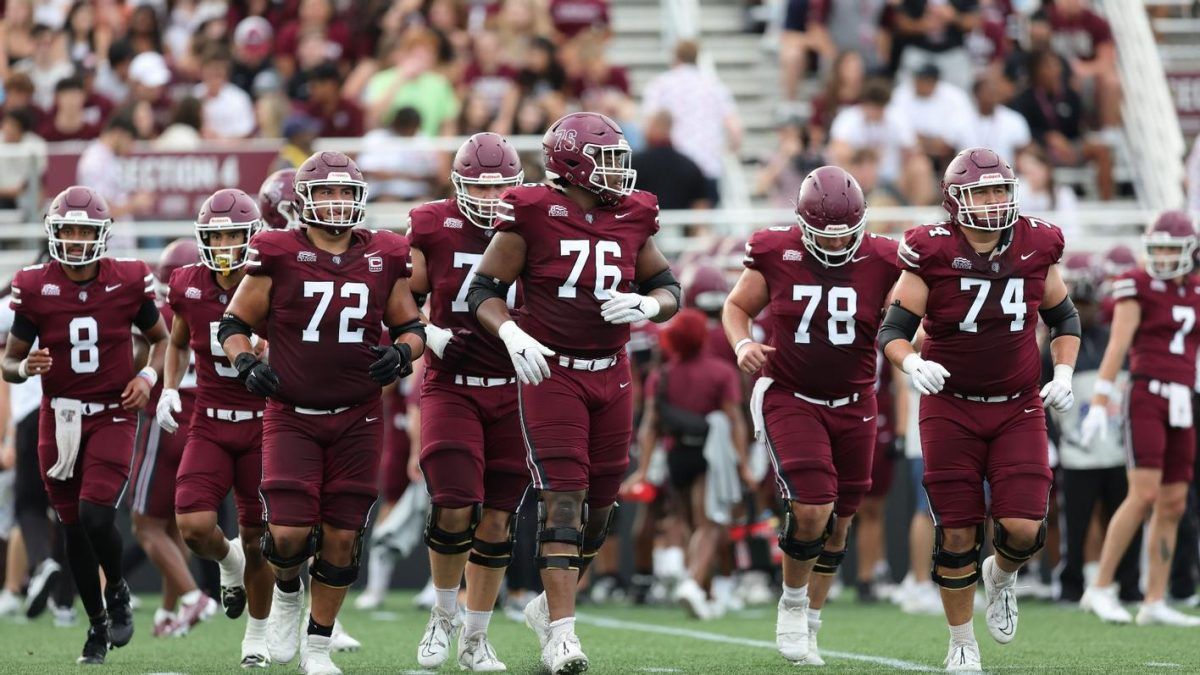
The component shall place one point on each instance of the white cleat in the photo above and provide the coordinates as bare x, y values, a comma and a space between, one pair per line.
922, 598
1161, 614
1001, 604
283, 624
564, 655
1103, 602
791, 632
427, 598
476, 654
434, 647
255, 653
693, 598
341, 641
963, 658
368, 601
814, 654
314, 660
537, 617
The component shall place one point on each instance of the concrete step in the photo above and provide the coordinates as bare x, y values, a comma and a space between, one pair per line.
644, 18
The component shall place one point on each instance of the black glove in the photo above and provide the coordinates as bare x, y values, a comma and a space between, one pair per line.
898, 447
394, 361
258, 377
456, 348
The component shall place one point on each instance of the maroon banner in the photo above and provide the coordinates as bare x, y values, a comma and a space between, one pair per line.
178, 181
1185, 89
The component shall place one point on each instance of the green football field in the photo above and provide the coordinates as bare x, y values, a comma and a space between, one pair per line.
622, 639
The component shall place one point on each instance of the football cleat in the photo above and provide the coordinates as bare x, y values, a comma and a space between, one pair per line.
95, 649
44, 579
1001, 604
694, 599
314, 660
1103, 603
341, 641
283, 624
963, 658
537, 617
814, 655
10, 603
564, 655
1161, 614
791, 631
475, 653
434, 647
120, 615
191, 613
233, 588
164, 623
255, 653
368, 600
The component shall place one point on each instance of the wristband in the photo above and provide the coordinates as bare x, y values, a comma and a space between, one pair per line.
1063, 371
150, 375
737, 348
1104, 388
23, 368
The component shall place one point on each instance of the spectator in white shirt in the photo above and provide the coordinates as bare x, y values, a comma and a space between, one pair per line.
937, 111
400, 164
47, 65
228, 110
24, 156
994, 125
1039, 195
99, 169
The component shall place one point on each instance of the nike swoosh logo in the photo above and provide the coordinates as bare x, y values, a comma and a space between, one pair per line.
112, 288
1027, 256
621, 215
118, 419
868, 419
370, 419
624, 385
859, 259
1029, 410
368, 255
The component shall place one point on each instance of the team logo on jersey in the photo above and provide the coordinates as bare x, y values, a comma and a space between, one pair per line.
375, 264
558, 211
83, 296
306, 256
995, 267
961, 263
1158, 285
193, 293
792, 255
51, 289
453, 223
337, 260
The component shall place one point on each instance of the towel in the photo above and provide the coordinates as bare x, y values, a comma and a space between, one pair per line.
723, 489
68, 430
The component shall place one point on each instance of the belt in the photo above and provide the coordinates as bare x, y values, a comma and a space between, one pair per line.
1159, 387
575, 363
93, 408
835, 403
989, 399
233, 415
473, 381
321, 411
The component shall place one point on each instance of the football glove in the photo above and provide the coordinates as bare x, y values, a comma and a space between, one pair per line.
168, 402
1057, 393
928, 377
395, 360
628, 308
527, 354
1094, 425
258, 376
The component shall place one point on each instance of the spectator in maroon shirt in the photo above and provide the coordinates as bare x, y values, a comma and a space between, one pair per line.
66, 121
314, 16
572, 17
487, 79
843, 87
1085, 39
338, 116
594, 77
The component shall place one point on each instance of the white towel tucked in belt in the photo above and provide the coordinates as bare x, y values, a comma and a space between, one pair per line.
68, 430
722, 488
756, 406
1179, 405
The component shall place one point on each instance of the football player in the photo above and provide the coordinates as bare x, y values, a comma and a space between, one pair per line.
224, 433
277, 200
81, 307
472, 455
977, 280
323, 292
582, 245
1153, 321
826, 282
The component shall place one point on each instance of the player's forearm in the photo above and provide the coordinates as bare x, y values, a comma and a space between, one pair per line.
11, 366
647, 443
236, 345
667, 304
415, 343
158, 353
175, 365
1110, 365
1064, 350
741, 435
898, 350
736, 322
492, 314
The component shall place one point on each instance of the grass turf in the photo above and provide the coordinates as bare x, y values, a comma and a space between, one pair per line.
622, 639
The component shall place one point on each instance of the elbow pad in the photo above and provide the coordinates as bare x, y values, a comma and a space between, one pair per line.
483, 289
1063, 319
415, 327
231, 325
898, 324
664, 279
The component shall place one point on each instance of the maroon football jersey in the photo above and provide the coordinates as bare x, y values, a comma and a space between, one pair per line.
573, 259
326, 311
453, 248
193, 295
1164, 346
981, 317
823, 319
87, 327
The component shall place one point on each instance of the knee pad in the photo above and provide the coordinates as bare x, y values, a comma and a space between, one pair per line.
944, 558
496, 555
1020, 555
339, 576
828, 562
450, 543
802, 550
96, 516
560, 535
592, 546
311, 544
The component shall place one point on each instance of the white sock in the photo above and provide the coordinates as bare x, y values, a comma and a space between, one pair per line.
233, 556
794, 597
256, 628
191, 597
564, 626
447, 599
1000, 577
163, 614
379, 570
814, 617
476, 622
963, 635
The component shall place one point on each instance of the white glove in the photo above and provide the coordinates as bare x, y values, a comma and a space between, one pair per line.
437, 339
1057, 393
928, 377
1094, 426
168, 402
628, 308
527, 354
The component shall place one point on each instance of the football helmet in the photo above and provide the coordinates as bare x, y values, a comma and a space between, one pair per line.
179, 253
79, 206
1119, 260
1170, 245
831, 205
971, 172
1083, 276
590, 151
332, 215
704, 288
276, 200
227, 210
486, 159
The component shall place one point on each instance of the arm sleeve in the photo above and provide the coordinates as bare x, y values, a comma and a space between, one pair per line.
909, 252
756, 249
506, 214
1124, 288
23, 328
147, 316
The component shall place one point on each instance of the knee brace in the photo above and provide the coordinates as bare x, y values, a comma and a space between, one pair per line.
338, 576
828, 562
496, 555
951, 560
450, 543
1020, 555
311, 544
592, 546
560, 535
802, 550
96, 516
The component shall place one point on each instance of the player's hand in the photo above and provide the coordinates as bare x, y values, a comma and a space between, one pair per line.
395, 360
168, 402
38, 362
259, 346
628, 308
1094, 425
437, 338
258, 377
1057, 393
753, 356
929, 377
136, 394
527, 354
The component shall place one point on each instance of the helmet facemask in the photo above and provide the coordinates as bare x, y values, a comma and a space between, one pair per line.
611, 164
225, 259
976, 213
481, 210
832, 257
90, 251
334, 215
1169, 257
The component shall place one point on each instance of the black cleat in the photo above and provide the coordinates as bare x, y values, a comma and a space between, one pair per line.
233, 600
96, 647
866, 592
120, 615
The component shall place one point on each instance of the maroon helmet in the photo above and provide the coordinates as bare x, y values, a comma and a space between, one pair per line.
590, 151
179, 253
78, 206
276, 200
704, 288
228, 210
831, 206
969, 177
1119, 260
331, 169
489, 161
1170, 245
1083, 276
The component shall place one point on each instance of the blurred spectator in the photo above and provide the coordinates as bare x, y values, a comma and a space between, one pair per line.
47, 65
519, 22
706, 123
937, 111
794, 158
148, 79
532, 117
486, 81
228, 111
24, 156
873, 124
144, 31
86, 41
18, 95
995, 125
475, 115
66, 121
989, 44
572, 17
935, 31
1039, 195
411, 81
796, 40
864, 166
183, 133
314, 18
190, 26
252, 45
17, 35
1085, 39
667, 173
1193, 179
401, 165
99, 169
211, 33
112, 72
96, 106
836, 27
299, 132
338, 116
541, 85
843, 87
595, 77
1055, 115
